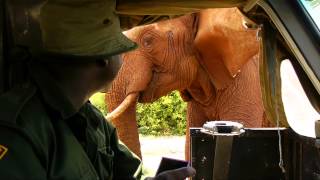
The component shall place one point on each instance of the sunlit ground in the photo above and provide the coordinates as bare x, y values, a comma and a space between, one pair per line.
154, 147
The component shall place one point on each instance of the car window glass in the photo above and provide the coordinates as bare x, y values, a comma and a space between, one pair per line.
300, 114
313, 8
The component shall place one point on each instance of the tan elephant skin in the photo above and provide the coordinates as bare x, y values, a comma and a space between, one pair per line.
210, 57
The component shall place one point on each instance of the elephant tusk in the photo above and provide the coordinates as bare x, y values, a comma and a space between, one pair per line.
123, 106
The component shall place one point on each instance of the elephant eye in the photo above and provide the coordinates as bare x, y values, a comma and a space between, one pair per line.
147, 41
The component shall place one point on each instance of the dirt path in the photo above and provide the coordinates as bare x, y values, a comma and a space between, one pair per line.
153, 148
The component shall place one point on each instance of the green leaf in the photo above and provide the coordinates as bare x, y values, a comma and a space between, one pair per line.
167, 116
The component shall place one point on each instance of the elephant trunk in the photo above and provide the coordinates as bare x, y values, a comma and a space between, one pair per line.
126, 123
123, 114
121, 99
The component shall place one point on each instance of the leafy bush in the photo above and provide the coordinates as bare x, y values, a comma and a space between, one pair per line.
167, 116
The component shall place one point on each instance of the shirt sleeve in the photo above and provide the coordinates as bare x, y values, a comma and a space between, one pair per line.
18, 160
127, 165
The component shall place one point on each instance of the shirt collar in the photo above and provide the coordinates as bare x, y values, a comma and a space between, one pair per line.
51, 92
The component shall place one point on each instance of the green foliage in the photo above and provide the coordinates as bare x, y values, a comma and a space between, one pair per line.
98, 101
167, 116
314, 3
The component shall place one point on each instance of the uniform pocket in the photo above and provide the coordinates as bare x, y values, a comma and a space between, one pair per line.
108, 155
104, 162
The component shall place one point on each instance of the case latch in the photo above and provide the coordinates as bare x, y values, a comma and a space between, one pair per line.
222, 128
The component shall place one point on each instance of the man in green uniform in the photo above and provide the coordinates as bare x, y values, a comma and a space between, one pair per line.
48, 129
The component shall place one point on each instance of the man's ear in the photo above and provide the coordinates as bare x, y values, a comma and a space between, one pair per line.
102, 62
224, 44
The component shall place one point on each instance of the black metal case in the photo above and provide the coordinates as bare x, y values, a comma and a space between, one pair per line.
253, 155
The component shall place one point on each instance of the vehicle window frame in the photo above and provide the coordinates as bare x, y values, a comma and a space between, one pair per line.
299, 38
300, 43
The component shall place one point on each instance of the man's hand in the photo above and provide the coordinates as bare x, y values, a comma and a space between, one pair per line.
176, 174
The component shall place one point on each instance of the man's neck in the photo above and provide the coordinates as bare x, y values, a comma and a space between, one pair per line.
76, 93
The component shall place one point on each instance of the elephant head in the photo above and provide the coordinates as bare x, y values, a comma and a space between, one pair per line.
197, 54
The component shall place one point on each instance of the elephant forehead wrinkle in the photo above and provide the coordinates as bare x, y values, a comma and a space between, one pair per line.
170, 34
167, 26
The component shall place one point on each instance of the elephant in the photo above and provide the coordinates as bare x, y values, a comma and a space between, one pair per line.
211, 57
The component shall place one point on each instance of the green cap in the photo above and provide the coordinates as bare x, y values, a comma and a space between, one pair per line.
82, 28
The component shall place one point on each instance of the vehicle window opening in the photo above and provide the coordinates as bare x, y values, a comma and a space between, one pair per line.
300, 114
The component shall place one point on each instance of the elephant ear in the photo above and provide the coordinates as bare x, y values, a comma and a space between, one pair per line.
224, 44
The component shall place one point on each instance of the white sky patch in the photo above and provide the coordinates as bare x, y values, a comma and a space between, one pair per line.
313, 11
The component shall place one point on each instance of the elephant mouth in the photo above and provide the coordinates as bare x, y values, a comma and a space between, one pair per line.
156, 88
145, 98
151, 94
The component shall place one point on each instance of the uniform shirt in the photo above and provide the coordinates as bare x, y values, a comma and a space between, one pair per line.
42, 136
